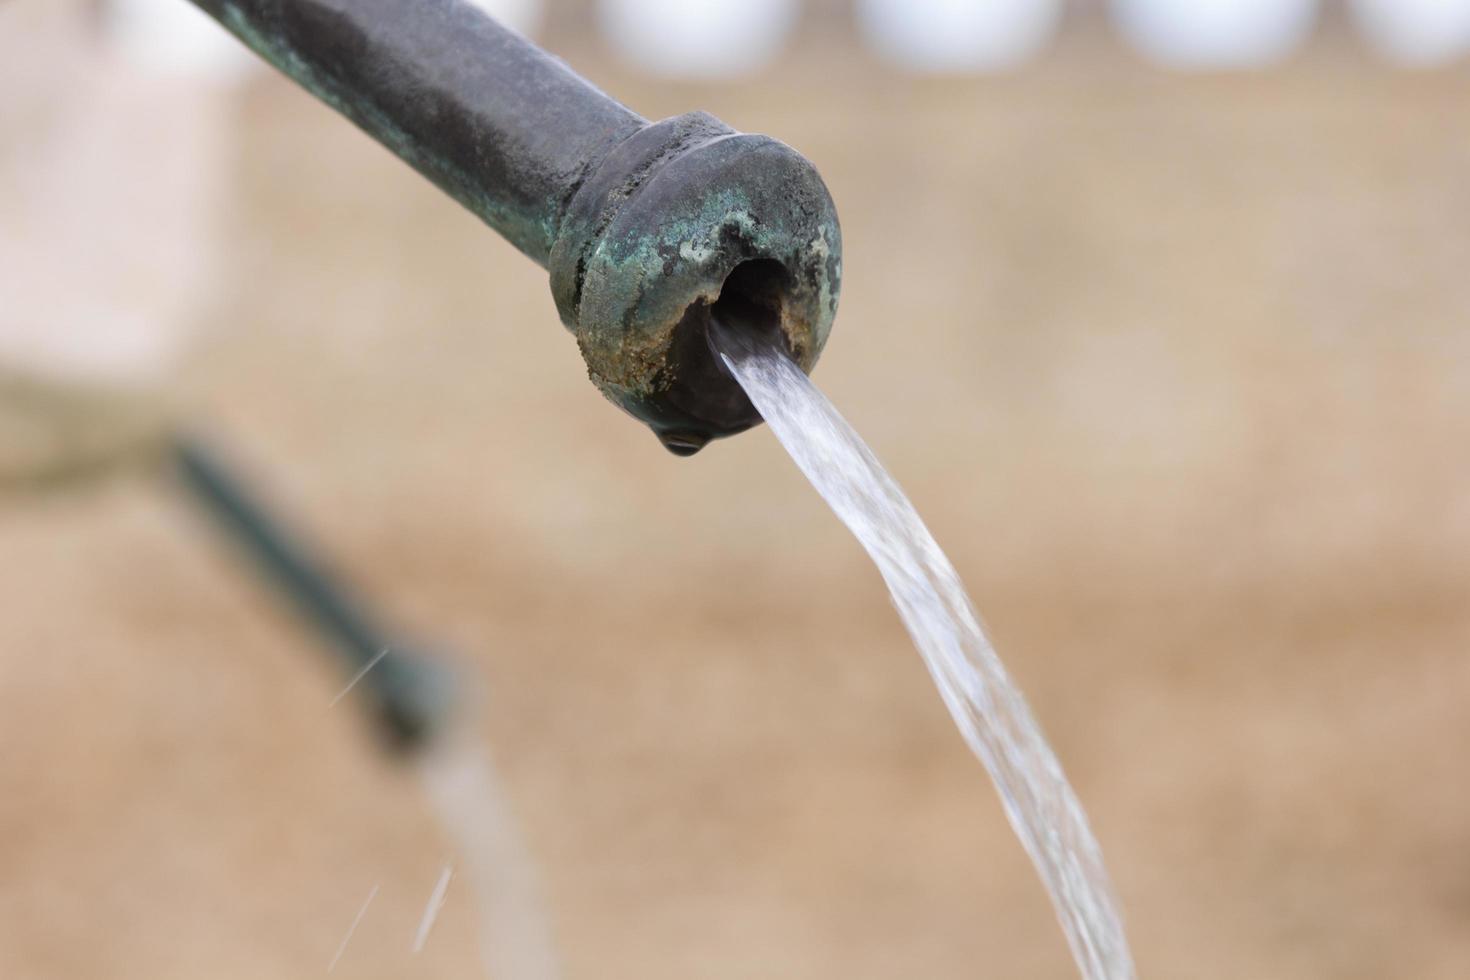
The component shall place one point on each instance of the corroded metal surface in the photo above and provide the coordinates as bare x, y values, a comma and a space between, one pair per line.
647, 250
504, 129
645, 228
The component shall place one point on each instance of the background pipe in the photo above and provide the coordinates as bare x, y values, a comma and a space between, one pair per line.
408, 693
645, 228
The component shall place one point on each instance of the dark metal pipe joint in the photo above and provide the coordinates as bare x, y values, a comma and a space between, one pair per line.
646, 229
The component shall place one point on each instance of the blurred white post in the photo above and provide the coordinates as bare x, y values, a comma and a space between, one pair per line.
111, 181
524, 16
698, 39
958, 36
1215, 34
169, 37
1418, 33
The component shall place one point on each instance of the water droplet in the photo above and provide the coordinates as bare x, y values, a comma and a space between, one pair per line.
683, 443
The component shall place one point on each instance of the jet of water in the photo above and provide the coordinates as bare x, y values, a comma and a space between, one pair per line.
988, 708
512, 923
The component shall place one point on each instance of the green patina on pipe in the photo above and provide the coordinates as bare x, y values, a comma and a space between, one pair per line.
645, 228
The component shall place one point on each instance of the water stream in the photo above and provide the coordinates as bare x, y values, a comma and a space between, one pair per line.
512, 924
991, 714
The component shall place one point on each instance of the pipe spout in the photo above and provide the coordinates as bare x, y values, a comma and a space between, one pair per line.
645, 228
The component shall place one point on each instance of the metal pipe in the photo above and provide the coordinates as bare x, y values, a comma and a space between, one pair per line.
408, 692
644, 227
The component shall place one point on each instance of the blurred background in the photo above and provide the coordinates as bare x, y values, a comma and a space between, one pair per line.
1156, 308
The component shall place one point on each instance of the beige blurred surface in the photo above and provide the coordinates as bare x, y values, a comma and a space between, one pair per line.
1176, 368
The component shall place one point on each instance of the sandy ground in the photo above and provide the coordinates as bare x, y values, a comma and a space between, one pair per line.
1178, 371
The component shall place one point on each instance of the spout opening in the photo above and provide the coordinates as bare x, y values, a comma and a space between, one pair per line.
752, 298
